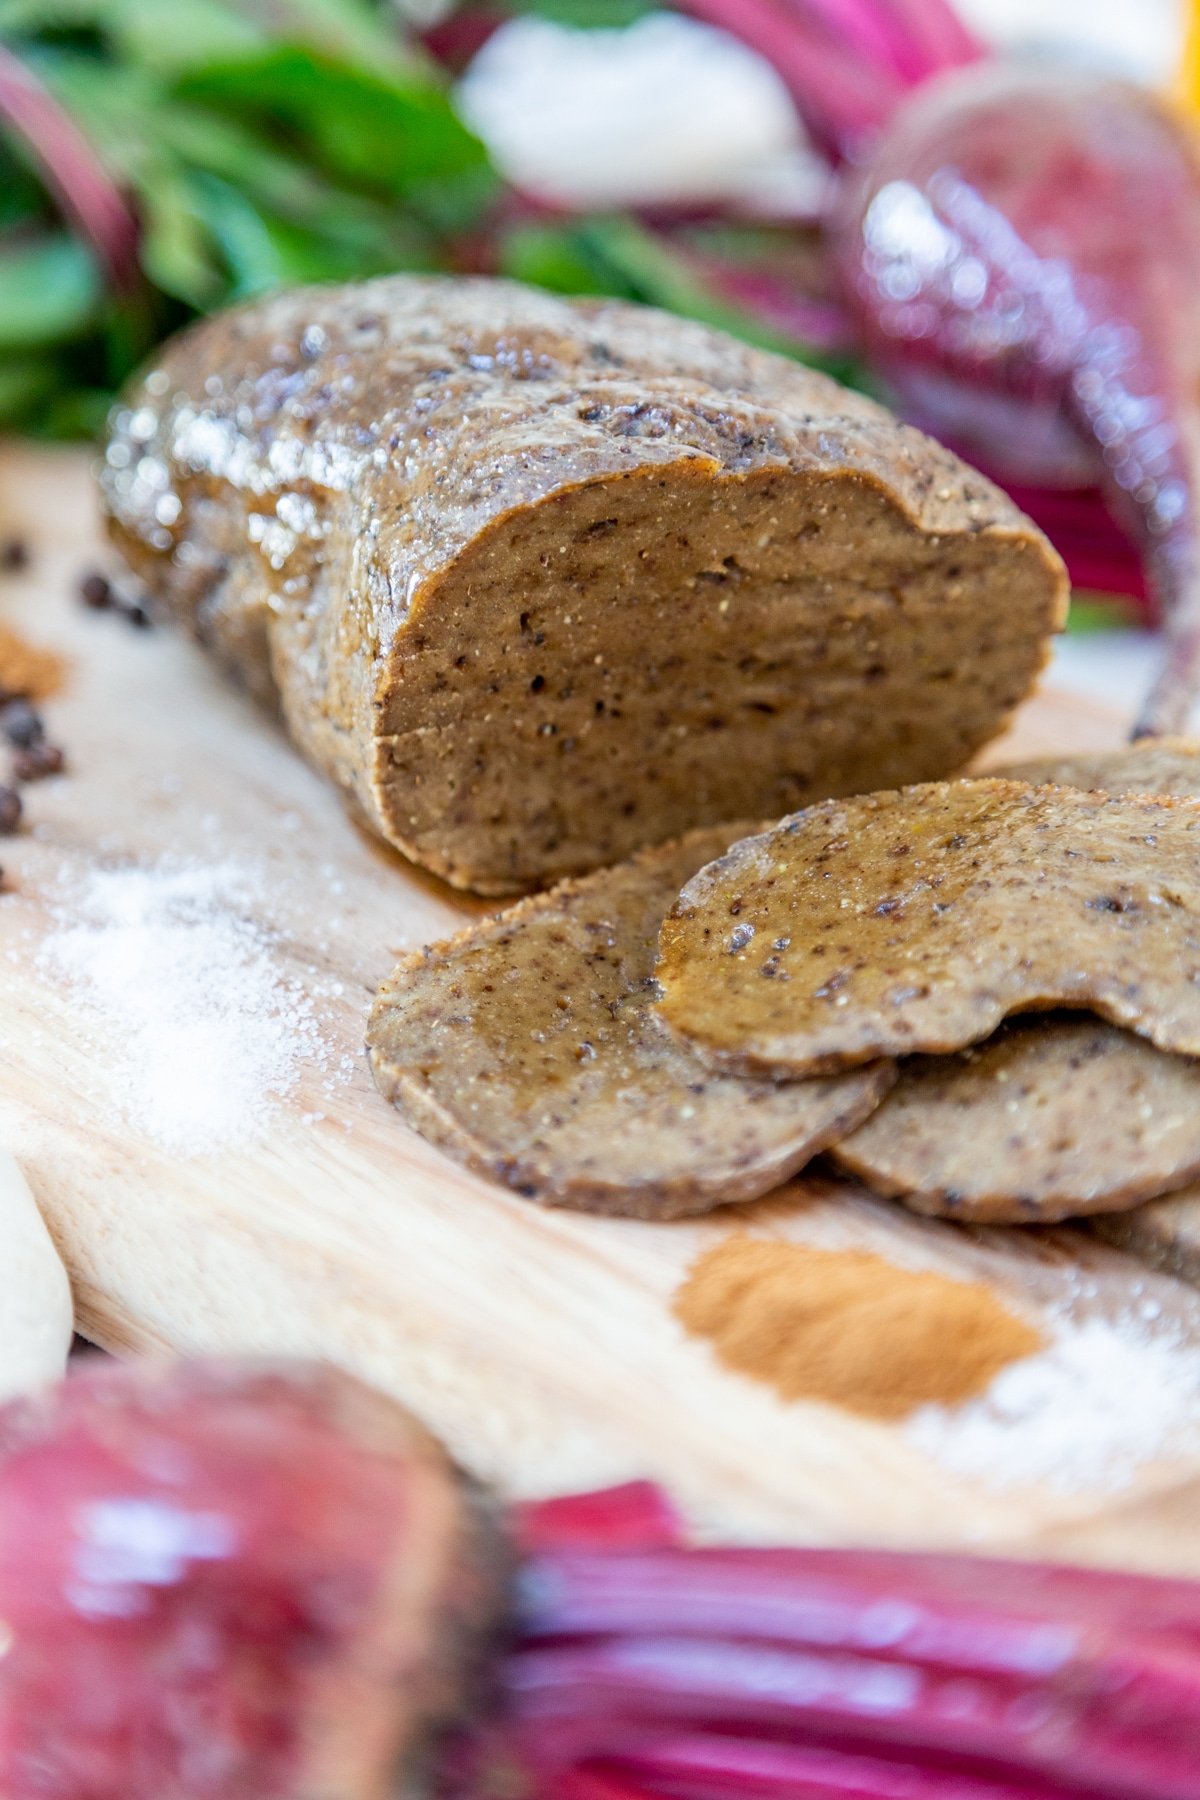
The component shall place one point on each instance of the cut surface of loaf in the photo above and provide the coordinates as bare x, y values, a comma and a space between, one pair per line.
538, 582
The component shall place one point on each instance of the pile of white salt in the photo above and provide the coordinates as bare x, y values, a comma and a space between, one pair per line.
203, 1031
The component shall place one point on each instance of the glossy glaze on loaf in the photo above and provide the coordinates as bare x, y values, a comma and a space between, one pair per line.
538, 582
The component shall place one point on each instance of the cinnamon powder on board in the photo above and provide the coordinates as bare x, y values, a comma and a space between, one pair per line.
849, 1328
28, 669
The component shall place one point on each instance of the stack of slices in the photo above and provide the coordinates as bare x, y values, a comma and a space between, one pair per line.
688, 1028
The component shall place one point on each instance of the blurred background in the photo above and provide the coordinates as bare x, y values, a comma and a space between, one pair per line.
162, 158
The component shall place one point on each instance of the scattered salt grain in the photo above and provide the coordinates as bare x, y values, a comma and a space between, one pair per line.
1103, 1398
203, 1032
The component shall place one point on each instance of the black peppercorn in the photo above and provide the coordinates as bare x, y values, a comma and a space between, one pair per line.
95, 590
21, 724
39, 760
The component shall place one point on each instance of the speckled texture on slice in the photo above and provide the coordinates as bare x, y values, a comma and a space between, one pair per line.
1169, 765
538, 582
1166, 1231
917, 920
1052, 1117
528, 1047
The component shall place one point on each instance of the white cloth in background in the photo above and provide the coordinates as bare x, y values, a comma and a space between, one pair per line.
1140, 38
667, 110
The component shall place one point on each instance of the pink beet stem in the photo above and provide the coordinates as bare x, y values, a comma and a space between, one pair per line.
993, 1614
635, 1516
841, 96
702, 1766
1128, 1723
71, 167
725, 1601
592, 1784
862, 25
935, 33
888, 41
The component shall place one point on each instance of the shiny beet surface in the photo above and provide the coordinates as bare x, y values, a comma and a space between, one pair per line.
200, 1566
1023, 257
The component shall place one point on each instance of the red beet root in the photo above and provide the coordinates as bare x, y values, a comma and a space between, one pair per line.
1024, 258
224, 1582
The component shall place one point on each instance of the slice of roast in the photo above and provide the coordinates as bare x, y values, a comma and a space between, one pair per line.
1166, 1232
529, 1047
916, 921
1051, 1117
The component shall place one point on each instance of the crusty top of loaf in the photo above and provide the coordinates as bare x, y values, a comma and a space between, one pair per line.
390, 389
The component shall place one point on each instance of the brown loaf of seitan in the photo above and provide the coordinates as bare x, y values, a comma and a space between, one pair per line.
538, 582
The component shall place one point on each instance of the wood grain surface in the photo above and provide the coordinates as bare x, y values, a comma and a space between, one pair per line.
539, 1344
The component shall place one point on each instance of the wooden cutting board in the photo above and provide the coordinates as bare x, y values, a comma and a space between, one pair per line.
539, 1344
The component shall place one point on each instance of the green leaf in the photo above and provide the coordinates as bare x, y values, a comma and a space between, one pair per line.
169, 36
377, 130
26, 384
617, 256
274, 182
177, 251
1093, 613
356, 30
247, 247
173, 34
556, 257
73, 412
49, 291
115, 105
658, 275
22, 201
595, 15
454, 203
262, 251
21, 18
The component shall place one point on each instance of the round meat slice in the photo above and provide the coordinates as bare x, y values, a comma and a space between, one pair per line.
1149, 766
529, 1047
1051, 1118
917, 920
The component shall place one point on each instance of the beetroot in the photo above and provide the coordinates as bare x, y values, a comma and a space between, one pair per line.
224, 1582
1023, 254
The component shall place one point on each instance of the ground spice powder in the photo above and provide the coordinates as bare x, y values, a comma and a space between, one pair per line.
848, 1327
28, 669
